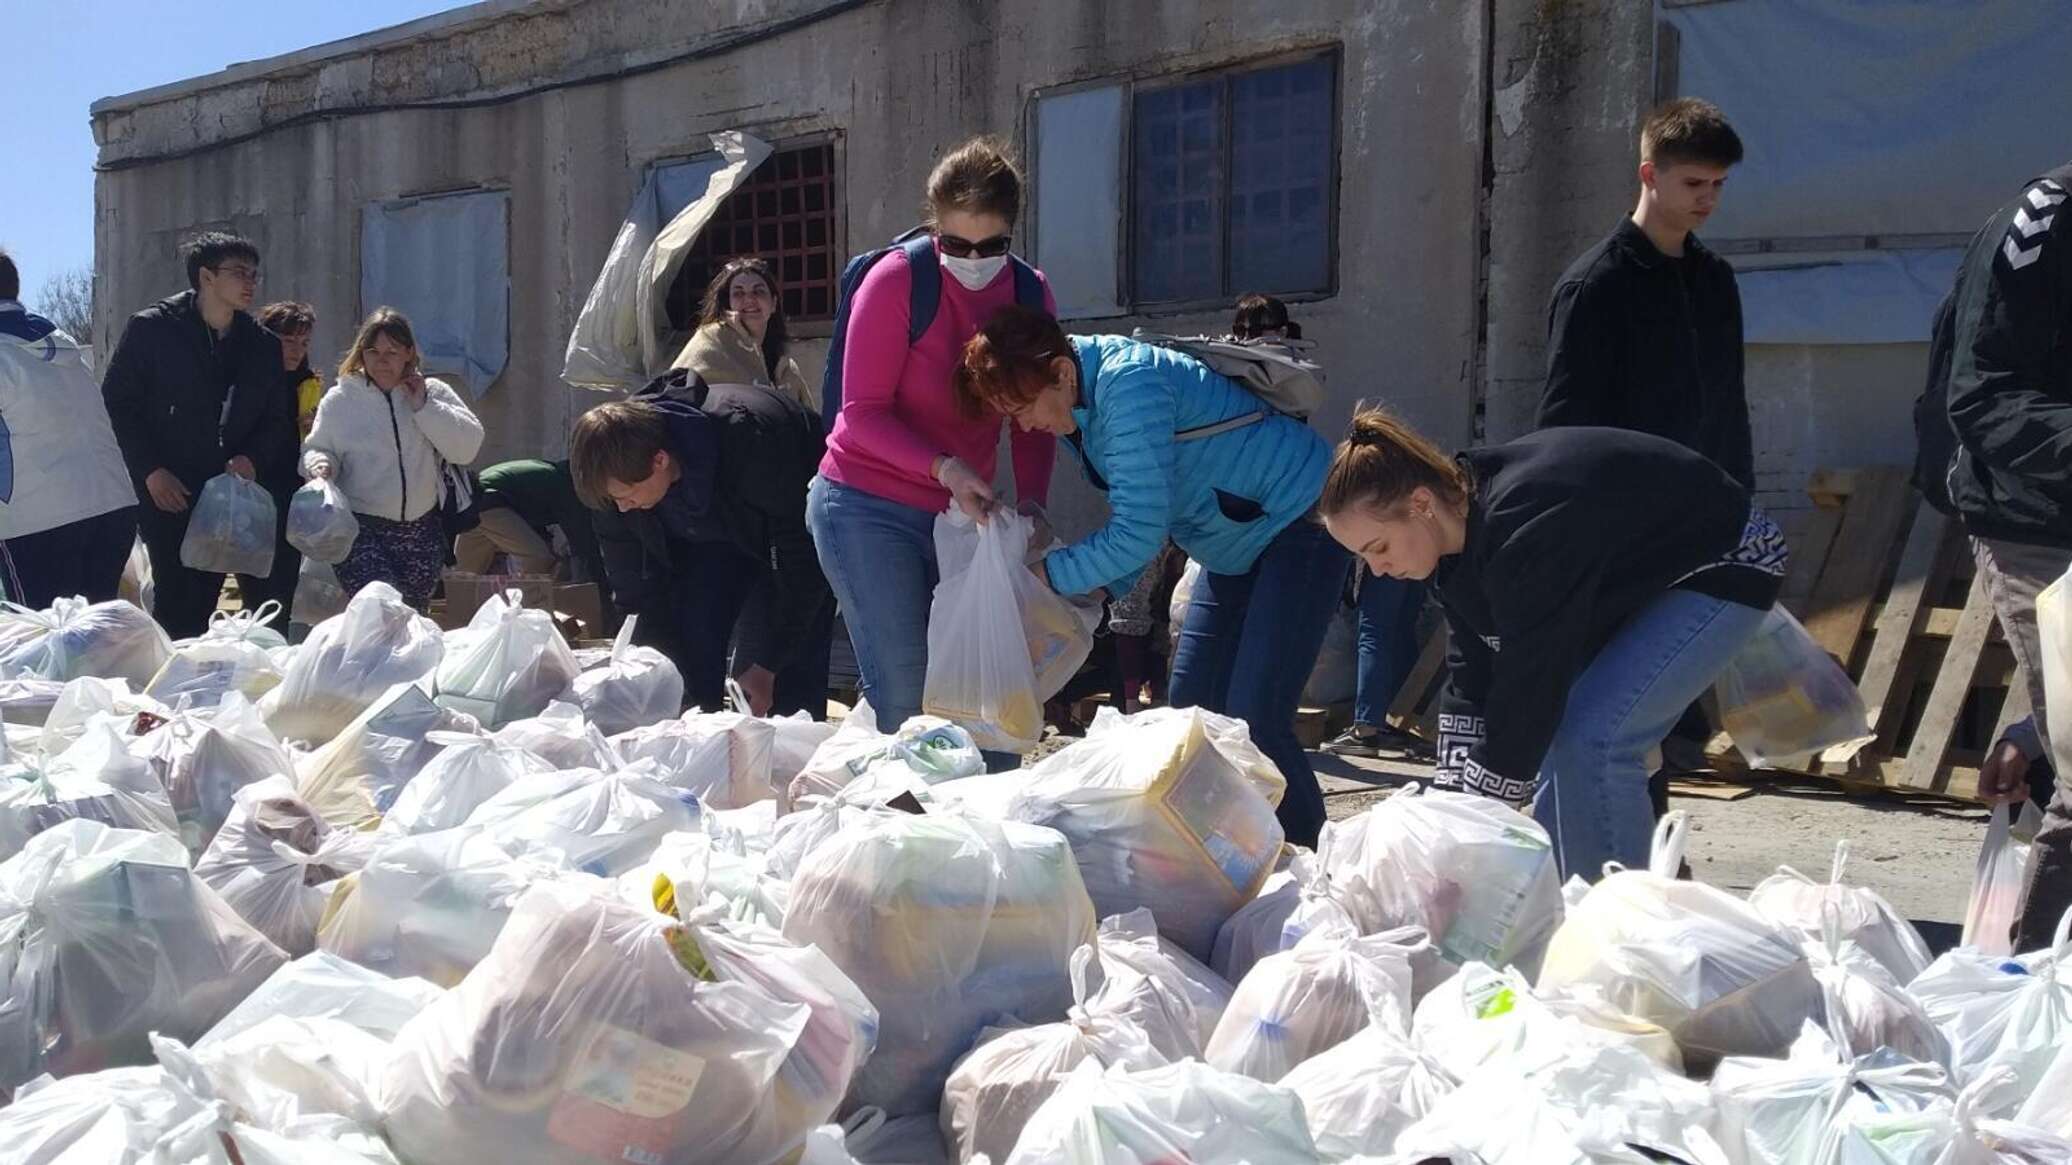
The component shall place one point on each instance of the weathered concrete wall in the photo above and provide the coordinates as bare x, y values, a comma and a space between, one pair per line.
1828, 406
900, 80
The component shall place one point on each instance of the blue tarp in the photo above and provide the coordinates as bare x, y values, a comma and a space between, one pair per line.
444, 260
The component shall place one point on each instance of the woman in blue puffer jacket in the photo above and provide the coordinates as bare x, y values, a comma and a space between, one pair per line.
1184, 453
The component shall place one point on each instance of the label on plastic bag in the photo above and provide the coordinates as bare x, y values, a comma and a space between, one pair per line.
1490, 896
1205, 798
623, 1097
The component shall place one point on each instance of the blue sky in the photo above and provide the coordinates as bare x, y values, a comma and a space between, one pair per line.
63, 55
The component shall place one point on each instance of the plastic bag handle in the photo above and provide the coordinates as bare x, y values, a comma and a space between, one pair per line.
737, 697
623, 641
2061, 939
1834, 871
1672, 837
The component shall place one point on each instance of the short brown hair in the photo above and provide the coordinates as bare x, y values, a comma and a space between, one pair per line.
1689, 129
978, 177
384, 321
615, 442
1382, 460
1007, 364
1258, 313
287, 318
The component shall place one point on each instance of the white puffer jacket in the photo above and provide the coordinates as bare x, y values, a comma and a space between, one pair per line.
385, 456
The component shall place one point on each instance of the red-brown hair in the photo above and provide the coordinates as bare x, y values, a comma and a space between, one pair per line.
1006, 366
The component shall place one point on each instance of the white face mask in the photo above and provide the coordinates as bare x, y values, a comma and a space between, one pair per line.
974, 273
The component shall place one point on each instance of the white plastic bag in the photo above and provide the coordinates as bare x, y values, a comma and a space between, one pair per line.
509, 663
1788, 1112
2000, 883
2050, 1106
1861, 915
204, 759
1783, 699
1484, 1016
723, 757
106, 937
1292, 903
233, 655
928, 748
468, 771
318, 594
701, 871
1300, 1002
83, 700
231, 529
2002, 1012
1866, 1007
273, 860
635, 687
1478, 876
1158, 818
558, 735
1000, 643
74, 638
350, 661
1141, 977
604, 826
1963, 1133
947, 923
1182, 1112
320, 985
358, 776
321, 523
1360, 1095
1691, 958
596, 1031
95, 779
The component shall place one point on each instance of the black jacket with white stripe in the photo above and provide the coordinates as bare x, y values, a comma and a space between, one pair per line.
2010, 386
1572, 532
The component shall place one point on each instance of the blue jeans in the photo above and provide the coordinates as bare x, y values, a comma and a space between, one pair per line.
1250, 659
879, 558
1388, 643
1593, 794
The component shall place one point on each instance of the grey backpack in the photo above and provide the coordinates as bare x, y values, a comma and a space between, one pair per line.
1272, 370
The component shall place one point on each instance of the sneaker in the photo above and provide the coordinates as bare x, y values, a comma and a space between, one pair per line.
1396, 744
1353, 742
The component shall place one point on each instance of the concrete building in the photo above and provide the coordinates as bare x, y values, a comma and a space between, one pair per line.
1411, 174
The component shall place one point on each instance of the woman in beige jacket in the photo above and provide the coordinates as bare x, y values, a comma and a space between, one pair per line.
741, 335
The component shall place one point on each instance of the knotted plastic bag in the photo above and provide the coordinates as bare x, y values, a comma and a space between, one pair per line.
636, 686
74, 638
509, 663
231, 529
321, 523
234, 655
1784, 699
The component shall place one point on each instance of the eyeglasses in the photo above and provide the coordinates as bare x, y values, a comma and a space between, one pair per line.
958, 248
241, 274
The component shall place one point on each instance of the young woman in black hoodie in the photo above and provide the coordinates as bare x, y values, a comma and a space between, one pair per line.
1596, 581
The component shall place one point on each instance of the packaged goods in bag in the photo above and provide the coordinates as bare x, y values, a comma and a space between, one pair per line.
2000, 882
27, 702
2050, 1107
75, 638
318, 594
1147, 980
1783, 699
1786, 1112
1861, 915
2002, 1012
999, 1085
234, 655
1485, 1016
1478, 876
1181, 1112
350, 661
596, 1031
274, 860
1969, 1131
509, 663
231, 529
1300, 1002
94, 779
1303, 900
798, 737
634, 686
1000, 643
723, 757
1362, 1094
559, 735
320, 985
1159, 818
203, 760
467, 771
1866, 1008
929, 748
704, 871
605, 826
321, 523
947, 923
1686, 956
88, 698
357, 777
106, 937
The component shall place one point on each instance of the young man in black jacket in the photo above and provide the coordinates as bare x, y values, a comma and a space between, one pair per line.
699, 505
1644, 329
2010, 478
195, 388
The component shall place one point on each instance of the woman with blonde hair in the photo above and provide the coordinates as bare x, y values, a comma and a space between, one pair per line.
741, 336
1596, 582
384, 434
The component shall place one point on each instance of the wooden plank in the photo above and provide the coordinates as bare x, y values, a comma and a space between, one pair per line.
1941, 623
1871, 523
1884, 683
2015, 707
1946, 700
1811, 540
1710, 790
1431, 663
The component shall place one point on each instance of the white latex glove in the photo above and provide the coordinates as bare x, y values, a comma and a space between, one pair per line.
966, 487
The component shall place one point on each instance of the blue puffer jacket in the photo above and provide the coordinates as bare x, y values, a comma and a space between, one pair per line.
1220, 498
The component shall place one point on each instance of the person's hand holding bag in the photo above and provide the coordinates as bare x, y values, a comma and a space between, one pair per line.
967, 488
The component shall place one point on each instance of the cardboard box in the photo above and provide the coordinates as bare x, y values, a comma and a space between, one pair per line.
465, 593
582, 603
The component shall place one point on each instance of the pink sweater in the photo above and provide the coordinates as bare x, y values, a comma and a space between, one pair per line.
899, 409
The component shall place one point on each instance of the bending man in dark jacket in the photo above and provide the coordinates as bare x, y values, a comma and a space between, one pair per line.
699, 506
2010, 407
195, 388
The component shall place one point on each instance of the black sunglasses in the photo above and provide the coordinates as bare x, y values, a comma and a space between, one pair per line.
964, 248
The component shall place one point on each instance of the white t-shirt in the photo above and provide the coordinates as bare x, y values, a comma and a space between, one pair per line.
59, 462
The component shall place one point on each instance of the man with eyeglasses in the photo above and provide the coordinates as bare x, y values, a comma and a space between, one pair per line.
195, 389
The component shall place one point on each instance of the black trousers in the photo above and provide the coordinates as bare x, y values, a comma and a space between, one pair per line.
78, 558
709, 595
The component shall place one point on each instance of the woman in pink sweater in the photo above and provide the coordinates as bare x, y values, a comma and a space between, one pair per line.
901, 450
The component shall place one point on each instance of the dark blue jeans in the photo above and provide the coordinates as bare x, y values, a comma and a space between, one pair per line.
1248, 645
1388, 643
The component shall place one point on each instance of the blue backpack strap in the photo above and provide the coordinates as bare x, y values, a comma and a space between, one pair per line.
926, 295
1028, 289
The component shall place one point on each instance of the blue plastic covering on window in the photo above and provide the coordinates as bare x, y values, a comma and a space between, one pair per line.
444, 261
